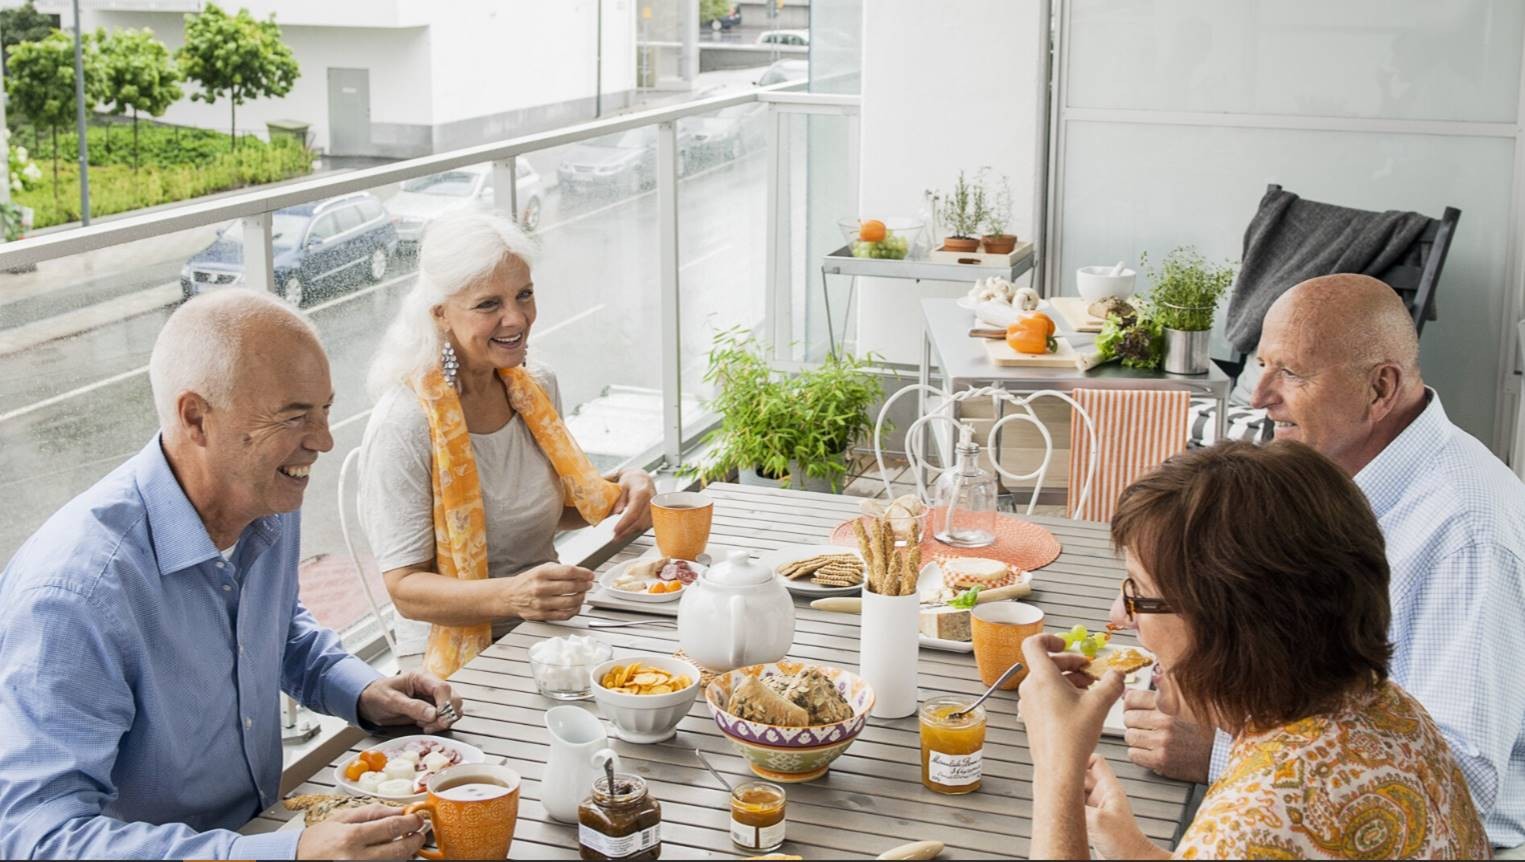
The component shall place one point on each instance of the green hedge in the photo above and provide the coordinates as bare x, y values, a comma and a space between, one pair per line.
157, 145
115, 188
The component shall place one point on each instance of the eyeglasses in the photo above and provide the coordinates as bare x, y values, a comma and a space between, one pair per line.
1135, 604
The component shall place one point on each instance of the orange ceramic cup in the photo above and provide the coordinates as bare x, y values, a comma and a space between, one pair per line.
681, 520
999, 629
474, 807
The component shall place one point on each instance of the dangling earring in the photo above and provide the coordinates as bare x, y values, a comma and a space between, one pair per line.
449, 365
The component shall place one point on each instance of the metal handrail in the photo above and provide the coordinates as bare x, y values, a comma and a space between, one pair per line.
148, 225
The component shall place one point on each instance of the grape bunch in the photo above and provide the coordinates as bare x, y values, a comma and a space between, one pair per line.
892, 247
1083, 642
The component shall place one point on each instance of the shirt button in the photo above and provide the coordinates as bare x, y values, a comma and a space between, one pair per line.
248, 723
227, 588
222, 565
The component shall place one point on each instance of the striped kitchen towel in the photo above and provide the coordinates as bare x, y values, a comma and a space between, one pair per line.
1136, 429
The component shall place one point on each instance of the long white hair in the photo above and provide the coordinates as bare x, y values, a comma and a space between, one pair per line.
458, 250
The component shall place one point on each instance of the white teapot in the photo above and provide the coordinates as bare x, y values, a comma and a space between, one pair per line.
736, 614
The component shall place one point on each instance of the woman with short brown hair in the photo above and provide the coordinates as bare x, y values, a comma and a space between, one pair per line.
1257, 577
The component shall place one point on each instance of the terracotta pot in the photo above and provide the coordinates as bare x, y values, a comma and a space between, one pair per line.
1000, 243
960, 243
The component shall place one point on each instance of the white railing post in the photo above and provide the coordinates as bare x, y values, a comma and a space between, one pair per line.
777, 279
667, 285
505, 186
259, 258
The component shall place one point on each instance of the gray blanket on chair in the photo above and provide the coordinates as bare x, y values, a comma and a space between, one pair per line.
1291, 240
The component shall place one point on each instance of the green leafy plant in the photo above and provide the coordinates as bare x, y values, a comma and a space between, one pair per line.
22, 173
140, 75
709, 10
24, 24
235, 56
1137, 340
965, 600
997, 194
960, 211
40, 83
1187, 289
777, 422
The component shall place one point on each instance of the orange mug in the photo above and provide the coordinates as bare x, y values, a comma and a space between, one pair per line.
681, 520
474, 807
999, 628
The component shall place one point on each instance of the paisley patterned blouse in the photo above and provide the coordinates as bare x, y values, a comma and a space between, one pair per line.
1372, 780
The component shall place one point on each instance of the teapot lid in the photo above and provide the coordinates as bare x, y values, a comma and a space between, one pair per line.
738, 570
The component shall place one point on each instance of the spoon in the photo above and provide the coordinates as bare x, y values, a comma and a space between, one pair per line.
988, 692
718, 777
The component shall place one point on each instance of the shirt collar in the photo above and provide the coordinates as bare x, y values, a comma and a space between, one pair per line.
1386, 477
179, 536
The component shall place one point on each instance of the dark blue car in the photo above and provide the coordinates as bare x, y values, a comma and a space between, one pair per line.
320, 249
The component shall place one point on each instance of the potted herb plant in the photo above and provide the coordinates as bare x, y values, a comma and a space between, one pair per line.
1186, 292
997, 213
960, 212
789, 430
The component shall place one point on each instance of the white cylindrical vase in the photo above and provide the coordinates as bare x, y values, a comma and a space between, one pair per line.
888, 650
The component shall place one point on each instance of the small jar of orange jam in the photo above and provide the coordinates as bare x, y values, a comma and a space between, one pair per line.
951, 748
757, 816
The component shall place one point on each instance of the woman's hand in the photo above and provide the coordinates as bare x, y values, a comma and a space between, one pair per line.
549, 591
636, 491
1109, 818
1062, 707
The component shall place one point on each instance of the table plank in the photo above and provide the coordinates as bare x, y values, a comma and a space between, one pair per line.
872, 798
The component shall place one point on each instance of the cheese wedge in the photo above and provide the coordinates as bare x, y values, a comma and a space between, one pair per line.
945, 623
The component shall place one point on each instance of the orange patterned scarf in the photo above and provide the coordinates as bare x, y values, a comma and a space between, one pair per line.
460, 524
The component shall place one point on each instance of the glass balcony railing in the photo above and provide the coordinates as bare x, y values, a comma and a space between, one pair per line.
625, 326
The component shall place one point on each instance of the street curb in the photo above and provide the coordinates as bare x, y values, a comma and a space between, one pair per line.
140, 302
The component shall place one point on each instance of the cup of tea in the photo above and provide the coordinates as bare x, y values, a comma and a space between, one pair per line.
999, 628
681, 520
474, 807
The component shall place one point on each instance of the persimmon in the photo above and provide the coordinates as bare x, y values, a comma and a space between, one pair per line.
871, 230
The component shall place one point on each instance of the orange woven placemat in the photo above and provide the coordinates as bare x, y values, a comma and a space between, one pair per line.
1018, 542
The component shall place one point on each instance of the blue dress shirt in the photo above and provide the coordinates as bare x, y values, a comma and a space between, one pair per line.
140, 675
1453, 518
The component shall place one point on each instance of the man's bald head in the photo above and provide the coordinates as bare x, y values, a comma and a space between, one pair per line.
1340, 361
1349, 319
213, 339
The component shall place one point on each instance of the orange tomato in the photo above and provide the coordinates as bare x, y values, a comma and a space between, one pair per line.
1033, 332
871, 230
355, 770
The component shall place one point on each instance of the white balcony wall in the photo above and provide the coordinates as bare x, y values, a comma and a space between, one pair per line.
946, 89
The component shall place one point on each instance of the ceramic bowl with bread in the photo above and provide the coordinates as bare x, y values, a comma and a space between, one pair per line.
790, 719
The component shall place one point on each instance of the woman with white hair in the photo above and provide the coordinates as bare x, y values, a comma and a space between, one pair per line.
467, 471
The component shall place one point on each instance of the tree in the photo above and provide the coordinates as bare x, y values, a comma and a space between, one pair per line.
140, 75
235, 56
23, 24
709, 10
40, 82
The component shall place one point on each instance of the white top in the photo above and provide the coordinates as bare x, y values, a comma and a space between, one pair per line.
521, 494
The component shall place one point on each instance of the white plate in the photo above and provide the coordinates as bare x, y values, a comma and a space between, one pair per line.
966, 303
773, 560
469, 754
606, 582
929, 580
1140, 679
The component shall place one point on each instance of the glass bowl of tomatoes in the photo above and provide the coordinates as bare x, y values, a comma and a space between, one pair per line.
887, 239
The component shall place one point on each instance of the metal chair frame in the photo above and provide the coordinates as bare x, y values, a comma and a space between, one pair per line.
915, 437
354, 556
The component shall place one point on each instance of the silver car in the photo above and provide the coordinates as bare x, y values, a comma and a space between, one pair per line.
422, 200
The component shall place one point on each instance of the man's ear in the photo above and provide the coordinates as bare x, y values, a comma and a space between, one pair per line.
193, 411
1384, 386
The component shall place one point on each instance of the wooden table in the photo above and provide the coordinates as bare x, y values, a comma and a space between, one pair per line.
872, 798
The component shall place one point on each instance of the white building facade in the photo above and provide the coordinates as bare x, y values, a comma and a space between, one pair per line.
400, 78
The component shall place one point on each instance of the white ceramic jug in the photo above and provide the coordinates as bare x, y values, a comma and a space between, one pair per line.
579, 749
736, 614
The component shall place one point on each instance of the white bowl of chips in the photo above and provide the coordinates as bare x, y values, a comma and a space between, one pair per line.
645, 698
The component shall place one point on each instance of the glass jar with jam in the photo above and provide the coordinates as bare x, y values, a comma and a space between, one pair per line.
951, 748
621, 822
757, 816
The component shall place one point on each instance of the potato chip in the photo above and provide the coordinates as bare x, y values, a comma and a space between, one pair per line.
649, 678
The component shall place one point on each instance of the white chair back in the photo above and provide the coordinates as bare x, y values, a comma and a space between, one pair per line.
354, 556
915, 436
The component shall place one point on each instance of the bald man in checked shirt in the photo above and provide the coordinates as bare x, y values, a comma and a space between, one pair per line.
1340, 360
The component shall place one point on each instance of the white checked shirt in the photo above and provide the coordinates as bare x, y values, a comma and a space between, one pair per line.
1453, 517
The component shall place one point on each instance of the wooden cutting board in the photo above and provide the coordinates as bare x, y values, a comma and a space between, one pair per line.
1073, 310
1001, 354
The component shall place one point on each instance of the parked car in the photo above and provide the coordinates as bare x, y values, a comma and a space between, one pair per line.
728, 20
620, 164
422, 200
800, 38
319, 249
784, 70
725, 135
